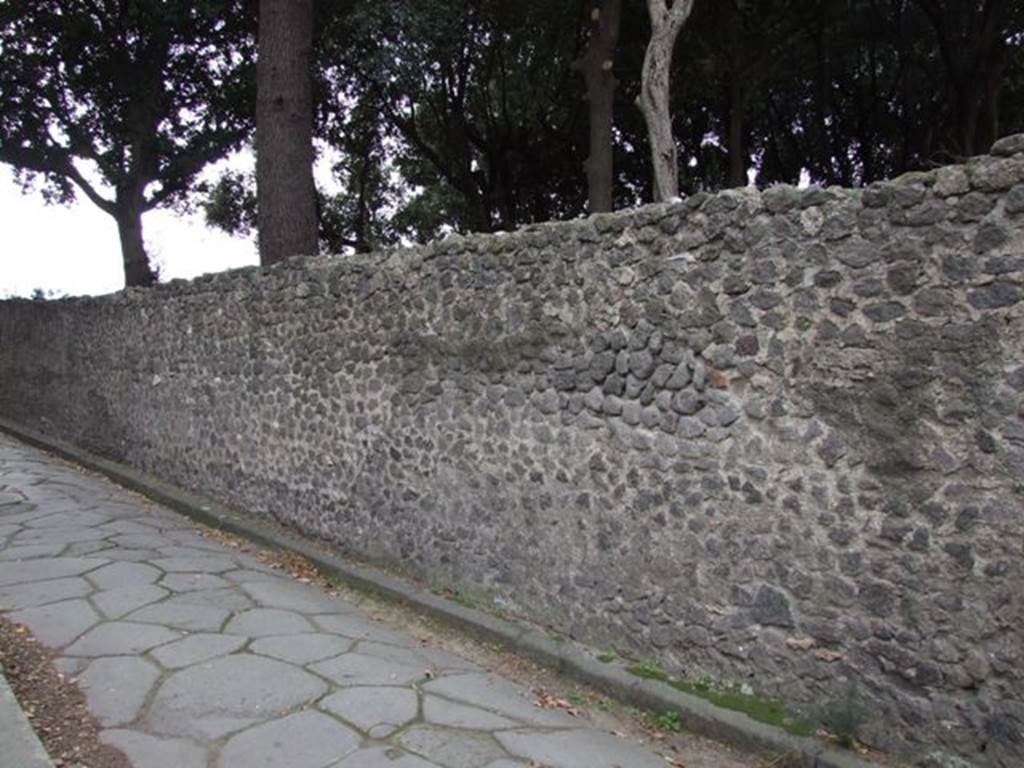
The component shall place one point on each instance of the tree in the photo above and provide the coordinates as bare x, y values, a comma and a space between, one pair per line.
597, 67
667, 18
125, 101
972, 39
479, 102
285, 191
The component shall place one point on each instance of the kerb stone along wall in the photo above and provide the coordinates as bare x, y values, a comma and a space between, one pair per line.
772, 439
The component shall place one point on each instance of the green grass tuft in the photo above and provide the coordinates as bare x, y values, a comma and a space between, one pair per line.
768, 711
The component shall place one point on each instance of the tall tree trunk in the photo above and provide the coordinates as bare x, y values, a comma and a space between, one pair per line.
285, 193
737, 139
653, 101
596, 65
128, 210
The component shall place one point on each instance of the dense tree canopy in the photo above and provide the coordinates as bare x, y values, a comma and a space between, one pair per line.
478, 109
481, 115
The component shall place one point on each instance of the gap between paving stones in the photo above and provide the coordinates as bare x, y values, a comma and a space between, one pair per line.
695, 714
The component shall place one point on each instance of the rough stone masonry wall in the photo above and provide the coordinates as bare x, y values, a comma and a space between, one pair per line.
769, 438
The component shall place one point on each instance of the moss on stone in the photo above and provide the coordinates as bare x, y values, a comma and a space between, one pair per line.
768, 711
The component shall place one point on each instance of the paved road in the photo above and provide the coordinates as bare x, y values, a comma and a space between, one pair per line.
194, 655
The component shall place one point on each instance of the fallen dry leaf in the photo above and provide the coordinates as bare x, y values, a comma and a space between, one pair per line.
828, 656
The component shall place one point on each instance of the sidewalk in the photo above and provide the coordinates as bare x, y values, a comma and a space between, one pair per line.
193, 655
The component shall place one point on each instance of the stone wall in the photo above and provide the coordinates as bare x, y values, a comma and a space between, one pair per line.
772, 439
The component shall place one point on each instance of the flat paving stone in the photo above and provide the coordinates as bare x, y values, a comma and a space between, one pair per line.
199, 564
438, 711
227, 598
117, 687
357, 669
195, 649
145, 751
30, 551
118, 575
292, 596
20, 514
495, 694
40, 570
420, 656
57, 624
576, 749
262, 622
189, 616
115, 603
88, 549
71, 535
190, 538
303, 740
249, 576
172, 549
131, 555
127, 526
384, 757
359, 628
450, 748
152, 541
217, 697
192, 582
302, 649
371, 707
42, 592
77, 518
120, 638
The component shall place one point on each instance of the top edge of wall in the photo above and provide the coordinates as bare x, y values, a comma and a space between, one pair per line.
644, 222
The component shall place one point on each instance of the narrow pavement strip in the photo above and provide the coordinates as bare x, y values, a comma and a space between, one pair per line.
192, 654
20, 745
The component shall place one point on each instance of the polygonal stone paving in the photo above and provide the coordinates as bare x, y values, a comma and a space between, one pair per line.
57, 624
576, 749
193, 617
42, 592
357, 669
118, 638
438, 711
379, 711
195, 649
147, 751
116, 687
386, 757
214, 698
303, 740
193, 655
303, 648
264, 622
115, 603
454, 748
493, 694
50, 568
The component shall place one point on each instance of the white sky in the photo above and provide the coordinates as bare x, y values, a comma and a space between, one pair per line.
75, 249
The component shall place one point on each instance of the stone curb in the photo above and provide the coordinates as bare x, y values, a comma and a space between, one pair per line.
21, 746
695, 713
